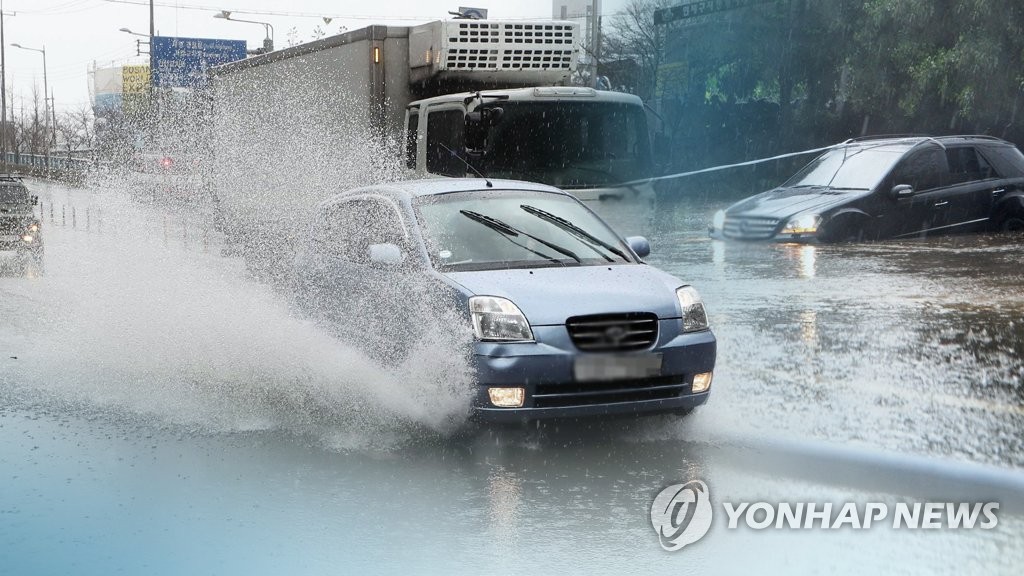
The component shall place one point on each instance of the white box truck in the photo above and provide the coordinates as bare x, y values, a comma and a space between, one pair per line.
447, 98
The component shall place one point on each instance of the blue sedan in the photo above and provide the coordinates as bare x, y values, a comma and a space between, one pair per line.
566, 319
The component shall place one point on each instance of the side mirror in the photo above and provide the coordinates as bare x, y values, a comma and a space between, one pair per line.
640, 245
478, 123
386, 254
901, 191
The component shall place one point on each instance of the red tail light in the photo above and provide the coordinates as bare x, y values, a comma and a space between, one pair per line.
166, 162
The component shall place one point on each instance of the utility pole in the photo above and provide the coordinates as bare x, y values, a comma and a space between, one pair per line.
595, 37
53, 118
3, 90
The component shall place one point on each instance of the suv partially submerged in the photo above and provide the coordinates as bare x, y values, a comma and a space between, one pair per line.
20, 230
888, 188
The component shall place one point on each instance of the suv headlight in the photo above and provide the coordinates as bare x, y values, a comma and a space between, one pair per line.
805, 224
718, 220
694, 316
498, 320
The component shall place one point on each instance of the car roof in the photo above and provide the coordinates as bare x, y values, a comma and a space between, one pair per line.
904, 143
437, 186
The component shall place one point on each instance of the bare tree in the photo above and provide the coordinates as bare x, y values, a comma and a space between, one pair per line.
76, 131
632, 36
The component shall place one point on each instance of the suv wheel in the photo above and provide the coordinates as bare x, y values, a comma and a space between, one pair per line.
846, 228
1012, 223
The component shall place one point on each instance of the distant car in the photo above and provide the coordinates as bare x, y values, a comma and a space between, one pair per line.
566, 318
20, 231
888, 188
165, 176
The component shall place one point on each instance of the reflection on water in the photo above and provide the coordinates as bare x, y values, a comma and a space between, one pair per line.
504, 504
918, 341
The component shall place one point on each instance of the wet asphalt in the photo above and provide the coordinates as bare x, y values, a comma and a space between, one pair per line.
868, 372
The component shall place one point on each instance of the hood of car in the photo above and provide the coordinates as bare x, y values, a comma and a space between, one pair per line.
784, 202
547, 296
12, 210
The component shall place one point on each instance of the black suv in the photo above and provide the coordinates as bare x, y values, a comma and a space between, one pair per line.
889, 187
20, 230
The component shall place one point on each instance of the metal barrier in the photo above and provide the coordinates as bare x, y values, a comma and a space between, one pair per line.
52, 162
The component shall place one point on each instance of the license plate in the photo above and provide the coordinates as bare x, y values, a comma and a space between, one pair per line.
617, 367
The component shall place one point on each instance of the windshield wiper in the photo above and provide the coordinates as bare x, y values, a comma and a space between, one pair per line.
575, 231
510, 232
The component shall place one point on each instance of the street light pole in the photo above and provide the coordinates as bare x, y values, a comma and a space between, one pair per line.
46, 90
3, 92
3, 88
268, 43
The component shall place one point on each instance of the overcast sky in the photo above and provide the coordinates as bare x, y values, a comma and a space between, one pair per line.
80, 33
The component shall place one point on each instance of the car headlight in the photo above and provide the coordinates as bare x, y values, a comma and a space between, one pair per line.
804, 224
28, 238
498, 320
694, 316
34, 227
718, 220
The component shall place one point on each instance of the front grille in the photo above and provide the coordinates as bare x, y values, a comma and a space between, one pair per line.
613, 332
750, 228
11, 226
591, 393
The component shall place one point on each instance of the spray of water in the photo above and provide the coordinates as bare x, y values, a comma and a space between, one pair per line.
145, 315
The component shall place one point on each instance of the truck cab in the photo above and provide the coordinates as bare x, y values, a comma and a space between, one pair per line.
590, 142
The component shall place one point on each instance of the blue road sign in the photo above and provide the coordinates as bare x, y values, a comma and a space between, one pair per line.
183, 62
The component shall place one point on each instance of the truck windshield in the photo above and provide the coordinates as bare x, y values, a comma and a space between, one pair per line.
569, 144
496, 229
855, 169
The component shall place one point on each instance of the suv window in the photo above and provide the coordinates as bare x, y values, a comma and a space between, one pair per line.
444, 142
347, 229
966, 165
13, 195
924, 170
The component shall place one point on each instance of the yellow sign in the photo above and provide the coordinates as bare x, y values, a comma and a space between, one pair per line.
135, 80
671, 79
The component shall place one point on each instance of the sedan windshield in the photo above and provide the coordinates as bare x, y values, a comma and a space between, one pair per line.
847, 168
514, 229
13, 195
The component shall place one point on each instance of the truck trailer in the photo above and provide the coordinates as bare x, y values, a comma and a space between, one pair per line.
448, 98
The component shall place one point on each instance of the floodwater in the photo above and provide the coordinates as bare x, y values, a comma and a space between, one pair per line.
161, 412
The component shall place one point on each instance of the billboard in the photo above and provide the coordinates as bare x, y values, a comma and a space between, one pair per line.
183, 62
107, 88
135, 79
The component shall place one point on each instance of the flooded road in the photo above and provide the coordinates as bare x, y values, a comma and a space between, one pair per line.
162, 412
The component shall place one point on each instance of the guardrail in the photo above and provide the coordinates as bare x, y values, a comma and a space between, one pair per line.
54, 167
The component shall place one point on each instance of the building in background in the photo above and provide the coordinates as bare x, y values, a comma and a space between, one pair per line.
586, 13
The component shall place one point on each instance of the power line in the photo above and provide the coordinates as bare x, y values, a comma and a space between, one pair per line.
300, 14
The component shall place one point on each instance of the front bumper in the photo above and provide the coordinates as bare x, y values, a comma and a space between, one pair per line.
20, 246
545, 368
718, 234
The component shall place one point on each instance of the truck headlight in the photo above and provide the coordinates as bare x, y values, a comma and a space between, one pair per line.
694, 316
718, 220
804, 224
498, 320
